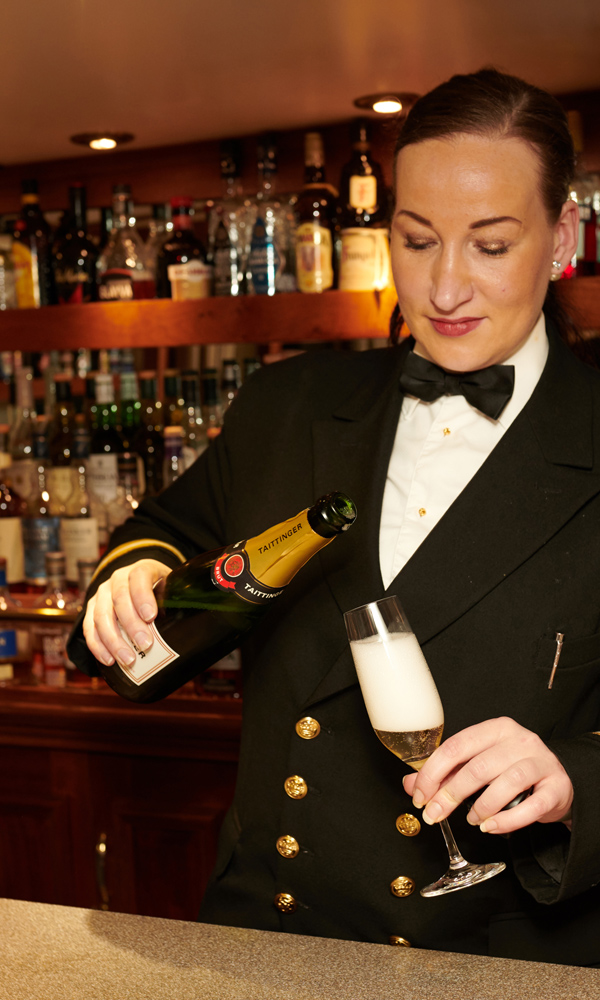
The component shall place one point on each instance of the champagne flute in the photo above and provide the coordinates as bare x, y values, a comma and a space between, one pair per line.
405, 710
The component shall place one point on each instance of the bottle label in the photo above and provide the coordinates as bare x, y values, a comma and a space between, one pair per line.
72, 286
365, 263
40, 535
8, 643
62, 481
115, 285
78, 540
231, 574
11, 547
314, 255
190, 281
26, 286
21, 477
263, 260
103, 476
363, 192
150, 661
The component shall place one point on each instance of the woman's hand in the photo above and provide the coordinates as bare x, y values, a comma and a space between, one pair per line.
506, 757
129, 598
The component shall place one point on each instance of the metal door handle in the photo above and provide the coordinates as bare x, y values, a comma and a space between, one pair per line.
101, 849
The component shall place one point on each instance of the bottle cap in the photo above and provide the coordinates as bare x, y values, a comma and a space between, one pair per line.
331, 514
173, 431
55, 563
122, 189
360, 131
181, 202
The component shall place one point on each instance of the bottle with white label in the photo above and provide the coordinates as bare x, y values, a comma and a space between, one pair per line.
123, 273
182, 268
105, 445
364, 262
206, 605
316, 212
20, 438
79, 536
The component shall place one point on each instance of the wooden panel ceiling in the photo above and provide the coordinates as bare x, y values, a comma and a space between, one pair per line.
176, 71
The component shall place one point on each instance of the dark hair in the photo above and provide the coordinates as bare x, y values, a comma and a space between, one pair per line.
491, 103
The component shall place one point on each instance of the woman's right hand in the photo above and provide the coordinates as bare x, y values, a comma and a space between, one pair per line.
127, 597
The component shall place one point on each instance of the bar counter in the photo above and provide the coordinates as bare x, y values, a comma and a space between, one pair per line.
65, 953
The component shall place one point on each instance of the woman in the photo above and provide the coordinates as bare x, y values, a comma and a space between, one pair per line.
478, 510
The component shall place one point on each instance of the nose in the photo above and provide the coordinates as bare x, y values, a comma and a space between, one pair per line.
451, 283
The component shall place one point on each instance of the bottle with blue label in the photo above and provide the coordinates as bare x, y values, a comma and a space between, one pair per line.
41, 529
270, 262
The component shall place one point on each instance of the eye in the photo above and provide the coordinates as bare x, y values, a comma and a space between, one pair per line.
492, 251
413, 244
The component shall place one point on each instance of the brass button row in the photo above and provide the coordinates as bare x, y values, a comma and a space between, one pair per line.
402, 886
288, 846
295, 787
285, 903
308, 728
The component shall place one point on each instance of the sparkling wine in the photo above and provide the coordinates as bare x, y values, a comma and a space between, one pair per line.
413, 748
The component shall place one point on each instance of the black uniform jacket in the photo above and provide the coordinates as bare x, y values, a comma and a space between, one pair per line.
514, 560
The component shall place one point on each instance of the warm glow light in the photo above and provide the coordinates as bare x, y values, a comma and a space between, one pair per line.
103, 143
387, 107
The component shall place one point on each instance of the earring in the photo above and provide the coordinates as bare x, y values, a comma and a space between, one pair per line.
557, 264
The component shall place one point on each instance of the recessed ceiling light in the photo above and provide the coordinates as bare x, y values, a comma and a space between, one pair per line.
387, 104
102, 140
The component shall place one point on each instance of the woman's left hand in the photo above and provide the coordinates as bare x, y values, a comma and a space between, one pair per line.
508, 759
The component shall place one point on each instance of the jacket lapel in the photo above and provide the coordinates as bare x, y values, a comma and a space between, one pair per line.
536, 478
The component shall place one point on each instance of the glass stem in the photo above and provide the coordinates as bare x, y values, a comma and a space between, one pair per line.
456, 858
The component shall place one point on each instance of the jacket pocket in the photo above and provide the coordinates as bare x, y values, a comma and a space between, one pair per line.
573, 701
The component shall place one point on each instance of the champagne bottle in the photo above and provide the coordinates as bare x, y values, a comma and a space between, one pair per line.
208, 603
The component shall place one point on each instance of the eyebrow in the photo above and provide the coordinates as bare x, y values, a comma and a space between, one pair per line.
474, 225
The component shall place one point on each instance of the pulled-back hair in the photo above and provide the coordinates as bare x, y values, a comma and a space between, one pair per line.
496, 105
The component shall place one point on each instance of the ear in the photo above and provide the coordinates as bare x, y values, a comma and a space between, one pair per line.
566, 233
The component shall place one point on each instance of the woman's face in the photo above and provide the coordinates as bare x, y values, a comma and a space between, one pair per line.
472, 247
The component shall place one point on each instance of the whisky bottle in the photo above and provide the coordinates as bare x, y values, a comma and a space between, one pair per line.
206, 605
316, 212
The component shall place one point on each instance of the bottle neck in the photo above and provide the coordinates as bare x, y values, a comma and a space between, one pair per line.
121, 211
77, 201
314, 174
276, 555
182, 220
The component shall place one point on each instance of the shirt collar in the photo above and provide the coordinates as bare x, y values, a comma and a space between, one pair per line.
528, 360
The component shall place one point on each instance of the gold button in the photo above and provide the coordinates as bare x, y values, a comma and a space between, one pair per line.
296, 787
285, 903
396, 939
288, 846
422, 512
408, 825
447, 431
308, 728
402, 886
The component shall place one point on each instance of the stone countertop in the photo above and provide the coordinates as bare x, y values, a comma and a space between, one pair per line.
63, 953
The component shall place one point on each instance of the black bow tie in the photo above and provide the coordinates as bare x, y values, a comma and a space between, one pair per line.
488, 389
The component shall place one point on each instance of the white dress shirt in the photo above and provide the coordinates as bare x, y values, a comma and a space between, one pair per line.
438, 449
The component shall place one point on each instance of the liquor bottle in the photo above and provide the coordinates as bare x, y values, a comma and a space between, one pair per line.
173, 398
105, 445
122, 270
14, 639
208, 603
12, 509
31, 252
74, 256
182, 268
174, 464
212, 411
50, 636
41, 528
79, 534
226, 263
62, 424
270, 257
128, 494
228, 225
20, 439
157, 234
8, 291
128, 426
230, 381
195, 440
149, 439
316, 212
364, 259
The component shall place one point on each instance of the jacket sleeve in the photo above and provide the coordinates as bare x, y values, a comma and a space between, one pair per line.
184, 520
551, 863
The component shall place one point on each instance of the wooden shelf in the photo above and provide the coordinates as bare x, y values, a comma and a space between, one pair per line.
255, 319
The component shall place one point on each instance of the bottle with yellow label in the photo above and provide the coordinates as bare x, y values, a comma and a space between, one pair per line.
208, 603
31, 250
316, 211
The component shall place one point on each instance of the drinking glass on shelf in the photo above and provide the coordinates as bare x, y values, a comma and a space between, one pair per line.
405, 710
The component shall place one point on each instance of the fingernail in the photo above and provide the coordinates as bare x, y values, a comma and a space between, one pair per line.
418, 800
403, 781
125, 657
432, 813
147, 612
107, 659
143, 640
488, 826
473, 819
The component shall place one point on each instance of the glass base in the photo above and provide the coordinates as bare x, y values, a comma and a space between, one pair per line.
463, 877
